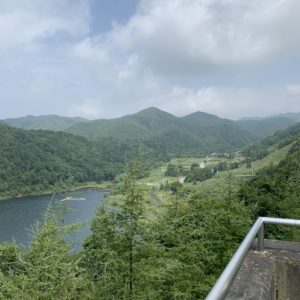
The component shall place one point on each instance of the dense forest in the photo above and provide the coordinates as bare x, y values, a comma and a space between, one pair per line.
198, 133
140, 251
279, 139
34, 161
138, 248
275, 192
264, 127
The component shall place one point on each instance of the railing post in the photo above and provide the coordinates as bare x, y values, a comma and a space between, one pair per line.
260, 238
221, 287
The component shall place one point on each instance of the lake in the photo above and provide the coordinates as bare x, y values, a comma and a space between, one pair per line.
19, 214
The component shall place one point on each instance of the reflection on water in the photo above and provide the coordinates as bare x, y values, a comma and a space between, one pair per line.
18, 215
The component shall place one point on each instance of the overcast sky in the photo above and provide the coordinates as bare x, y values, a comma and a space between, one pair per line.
107, 58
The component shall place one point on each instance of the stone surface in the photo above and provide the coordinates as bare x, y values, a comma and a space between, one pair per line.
270, 274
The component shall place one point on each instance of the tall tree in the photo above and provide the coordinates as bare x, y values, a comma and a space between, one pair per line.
117, 244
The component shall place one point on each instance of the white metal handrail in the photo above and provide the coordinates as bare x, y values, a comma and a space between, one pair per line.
222, 285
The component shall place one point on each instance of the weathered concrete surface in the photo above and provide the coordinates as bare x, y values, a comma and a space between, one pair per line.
273, 274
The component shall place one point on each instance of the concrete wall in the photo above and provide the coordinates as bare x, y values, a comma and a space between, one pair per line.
273, 274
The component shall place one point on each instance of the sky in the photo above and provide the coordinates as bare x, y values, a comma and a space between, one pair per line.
108, 58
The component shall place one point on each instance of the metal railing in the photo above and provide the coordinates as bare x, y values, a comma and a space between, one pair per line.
222, 285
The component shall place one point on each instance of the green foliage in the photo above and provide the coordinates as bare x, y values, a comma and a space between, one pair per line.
172, 170
175, 186
199, 235
198, 174
176, 256
173, 251
34, 161
9, 258
46, 270
194, 166
115, 252
267, 126
275, 192
163, 133
280, 139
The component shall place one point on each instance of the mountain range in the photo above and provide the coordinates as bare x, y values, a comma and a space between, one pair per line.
263, 127
196, 133
33, 160
46, 122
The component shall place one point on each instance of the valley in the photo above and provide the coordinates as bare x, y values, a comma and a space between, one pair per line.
183, 193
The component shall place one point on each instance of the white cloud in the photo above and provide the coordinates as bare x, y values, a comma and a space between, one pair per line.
194, 36
23, 22
293, 89
228, 102
88, 109
146, 61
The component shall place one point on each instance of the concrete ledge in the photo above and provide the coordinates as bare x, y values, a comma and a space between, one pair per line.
270, 274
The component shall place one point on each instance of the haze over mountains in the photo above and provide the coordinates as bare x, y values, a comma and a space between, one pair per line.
146, 122
46, 122
262, 127
160, 131
195, 133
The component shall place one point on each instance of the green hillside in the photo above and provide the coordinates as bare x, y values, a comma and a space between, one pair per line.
263, 127
198, 133
47, 122
35, 160
209, 224
274, 191
213, 130
293, 116
279, 139
134, 126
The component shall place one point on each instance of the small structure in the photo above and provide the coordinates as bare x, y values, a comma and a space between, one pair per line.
72, 199
181, 179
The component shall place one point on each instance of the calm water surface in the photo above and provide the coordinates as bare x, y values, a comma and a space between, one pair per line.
18, 215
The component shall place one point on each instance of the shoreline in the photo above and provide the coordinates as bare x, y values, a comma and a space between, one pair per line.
106, 187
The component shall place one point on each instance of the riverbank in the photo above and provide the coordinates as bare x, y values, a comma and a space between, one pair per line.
104, 186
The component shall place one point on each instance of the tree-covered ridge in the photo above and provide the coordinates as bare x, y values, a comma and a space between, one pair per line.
275, 191
265, 127
197, 133
47, 122
130, 255
32, 161
279, 139
174, 248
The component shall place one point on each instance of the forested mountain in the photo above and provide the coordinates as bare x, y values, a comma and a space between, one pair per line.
279, 139
263, 127
274, 191
144, 260
197, 133
133, 126
34, 160
292, 116
47, 122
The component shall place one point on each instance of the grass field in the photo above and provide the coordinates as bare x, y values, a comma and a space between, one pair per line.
224, 182
219, 183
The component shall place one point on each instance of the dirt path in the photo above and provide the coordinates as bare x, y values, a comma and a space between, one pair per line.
155, 198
